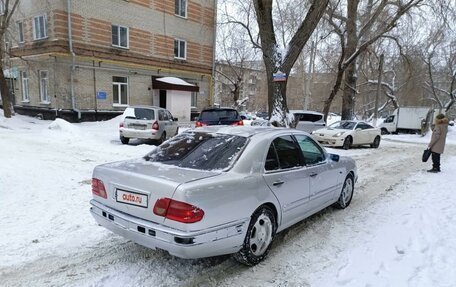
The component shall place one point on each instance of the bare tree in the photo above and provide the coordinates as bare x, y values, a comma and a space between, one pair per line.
8, 8
281, 61
446, 86
235, 56
439, 56
357, 30
280, 47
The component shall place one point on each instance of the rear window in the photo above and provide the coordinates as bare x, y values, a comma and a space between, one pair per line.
308, 117
217, 115
139, 113
199, 151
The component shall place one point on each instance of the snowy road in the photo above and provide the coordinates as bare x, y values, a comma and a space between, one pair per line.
51, 240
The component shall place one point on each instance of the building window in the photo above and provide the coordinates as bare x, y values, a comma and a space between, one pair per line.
20, 30
119, 36
120, 90
180, 49
39, 27
44, 82
181, 8
2, 7
25, 87
194, 100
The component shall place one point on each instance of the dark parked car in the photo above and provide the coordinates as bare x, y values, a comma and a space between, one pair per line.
219, 116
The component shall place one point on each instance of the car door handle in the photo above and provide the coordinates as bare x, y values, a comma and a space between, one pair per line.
313, 174
277, 183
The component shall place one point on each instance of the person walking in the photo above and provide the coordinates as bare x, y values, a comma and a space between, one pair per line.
437, 144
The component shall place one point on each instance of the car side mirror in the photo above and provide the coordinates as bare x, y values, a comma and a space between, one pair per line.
175, 119
334, 157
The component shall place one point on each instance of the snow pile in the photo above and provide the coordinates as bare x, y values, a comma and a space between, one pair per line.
63, 126
450, 139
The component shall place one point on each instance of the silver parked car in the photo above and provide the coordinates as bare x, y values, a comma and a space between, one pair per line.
147, 122
220, 190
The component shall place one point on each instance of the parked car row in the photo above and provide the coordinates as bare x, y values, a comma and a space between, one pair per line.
158, 124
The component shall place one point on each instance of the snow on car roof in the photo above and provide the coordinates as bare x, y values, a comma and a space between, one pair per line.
243, 131
306, 112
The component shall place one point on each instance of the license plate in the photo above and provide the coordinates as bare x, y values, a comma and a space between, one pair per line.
132, 198
138, 127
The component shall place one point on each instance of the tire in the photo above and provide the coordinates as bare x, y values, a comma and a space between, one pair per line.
346, 193
124, 140
347, 143
162, 138
384, 131
376, 142
259, 237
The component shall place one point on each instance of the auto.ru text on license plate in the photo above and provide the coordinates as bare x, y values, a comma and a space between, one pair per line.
132, 198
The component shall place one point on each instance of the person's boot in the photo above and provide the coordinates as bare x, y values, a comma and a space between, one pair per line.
434, 170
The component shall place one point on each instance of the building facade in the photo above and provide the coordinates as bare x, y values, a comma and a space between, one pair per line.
88, 60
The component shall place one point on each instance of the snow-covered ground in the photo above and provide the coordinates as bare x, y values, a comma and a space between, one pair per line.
399, 230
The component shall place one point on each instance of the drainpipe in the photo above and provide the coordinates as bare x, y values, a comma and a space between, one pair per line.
73, 56
212, 82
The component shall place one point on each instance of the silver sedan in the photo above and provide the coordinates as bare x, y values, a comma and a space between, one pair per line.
220, 190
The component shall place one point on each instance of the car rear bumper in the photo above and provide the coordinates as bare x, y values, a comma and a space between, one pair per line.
140, 134
224, 239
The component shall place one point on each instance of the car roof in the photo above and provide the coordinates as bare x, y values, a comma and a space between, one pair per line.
218, 109
306, 112
245, 131
147, 107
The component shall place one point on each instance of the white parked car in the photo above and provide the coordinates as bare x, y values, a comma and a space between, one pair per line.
347, 134
147, 122
308, 121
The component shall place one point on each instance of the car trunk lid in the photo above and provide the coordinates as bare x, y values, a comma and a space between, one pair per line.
134, 186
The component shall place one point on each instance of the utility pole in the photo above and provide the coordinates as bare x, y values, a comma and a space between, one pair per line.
309, 76
379, 88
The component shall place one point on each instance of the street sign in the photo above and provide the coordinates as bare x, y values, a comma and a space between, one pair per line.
101, 95
279, 77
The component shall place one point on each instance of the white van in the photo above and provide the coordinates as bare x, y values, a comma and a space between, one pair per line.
308, 121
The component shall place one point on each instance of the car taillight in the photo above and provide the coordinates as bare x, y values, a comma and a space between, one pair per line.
155, 126
239, 123
98, 188
121, 125
178, 210
199, 124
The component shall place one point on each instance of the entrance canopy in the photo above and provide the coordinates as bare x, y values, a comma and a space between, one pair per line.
173, 83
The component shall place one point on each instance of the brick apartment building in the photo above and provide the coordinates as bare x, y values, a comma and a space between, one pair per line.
111, 57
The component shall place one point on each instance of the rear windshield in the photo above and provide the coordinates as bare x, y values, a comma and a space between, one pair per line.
308, 117
139, 114
217, 115
202, 151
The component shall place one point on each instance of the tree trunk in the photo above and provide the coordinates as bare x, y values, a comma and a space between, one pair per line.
5, 95
278, 108
348, 100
